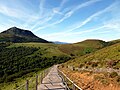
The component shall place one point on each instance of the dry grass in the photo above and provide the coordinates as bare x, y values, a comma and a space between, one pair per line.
91, 81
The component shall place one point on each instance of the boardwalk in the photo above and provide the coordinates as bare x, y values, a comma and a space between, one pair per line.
52, 81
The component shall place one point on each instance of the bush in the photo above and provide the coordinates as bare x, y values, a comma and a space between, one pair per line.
113, 74
118, 79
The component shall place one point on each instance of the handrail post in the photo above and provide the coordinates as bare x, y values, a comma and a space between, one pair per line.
73, 86
36, 82
43, 73
27, 85
41, 78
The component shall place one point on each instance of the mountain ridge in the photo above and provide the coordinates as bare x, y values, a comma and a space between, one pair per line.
16, 35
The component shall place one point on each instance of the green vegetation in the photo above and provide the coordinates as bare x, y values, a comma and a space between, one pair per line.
82, 48
113, 74
20, 81
106, 57
19, 59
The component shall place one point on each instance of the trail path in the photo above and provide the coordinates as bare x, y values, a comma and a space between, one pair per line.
52, 81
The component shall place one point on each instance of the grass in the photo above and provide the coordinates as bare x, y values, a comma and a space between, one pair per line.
32, 44
101, 57
45, 50
48, 49
20, 81
82, 48
106, 57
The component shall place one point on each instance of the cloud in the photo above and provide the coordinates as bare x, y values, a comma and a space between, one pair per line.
10, 11
69, 14
73, 33
51, 14
112, 25
109, 24
41, 7
90, 18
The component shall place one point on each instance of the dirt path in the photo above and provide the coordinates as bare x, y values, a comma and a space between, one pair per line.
52, 81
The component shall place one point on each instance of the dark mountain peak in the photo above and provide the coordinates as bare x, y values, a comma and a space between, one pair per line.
15, 34
19, 32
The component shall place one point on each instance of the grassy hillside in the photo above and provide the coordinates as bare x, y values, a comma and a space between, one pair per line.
99, 70
21, 58
82, 48
114, 41
18, 59
106, 57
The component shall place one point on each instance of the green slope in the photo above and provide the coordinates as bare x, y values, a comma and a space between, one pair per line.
21, 58
18, 59
82, 48
106, 57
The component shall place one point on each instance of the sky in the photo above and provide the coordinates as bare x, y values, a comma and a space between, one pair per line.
63, 20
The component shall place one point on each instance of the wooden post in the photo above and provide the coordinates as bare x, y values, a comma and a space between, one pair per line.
73, 86
27, 85
36, 82
44, 73
41, 78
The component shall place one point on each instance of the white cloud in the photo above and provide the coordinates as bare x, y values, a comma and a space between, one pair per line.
113, 25
109, 24
14, 12
80, 24
49, 14
41, 7
69, 14
105, 28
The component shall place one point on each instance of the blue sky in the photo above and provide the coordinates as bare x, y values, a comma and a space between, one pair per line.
63, 20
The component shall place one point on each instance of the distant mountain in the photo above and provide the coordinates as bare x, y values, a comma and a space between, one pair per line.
57, 42
15, 34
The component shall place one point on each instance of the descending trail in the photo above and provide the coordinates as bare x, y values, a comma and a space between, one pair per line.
52, 81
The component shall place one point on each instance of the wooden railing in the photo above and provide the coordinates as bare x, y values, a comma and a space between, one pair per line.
68, 82
33, 83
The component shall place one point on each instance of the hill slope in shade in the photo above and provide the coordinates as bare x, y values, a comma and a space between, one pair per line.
114, 42
15, 34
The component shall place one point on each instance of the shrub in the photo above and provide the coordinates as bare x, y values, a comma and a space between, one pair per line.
113, 74
118, 79
81, 65
94, 64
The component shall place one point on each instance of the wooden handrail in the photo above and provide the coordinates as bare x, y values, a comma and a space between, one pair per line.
41, 75
69, 80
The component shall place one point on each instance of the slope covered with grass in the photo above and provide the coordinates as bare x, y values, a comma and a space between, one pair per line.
106, 57
82, 48
18, 59
99, 70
